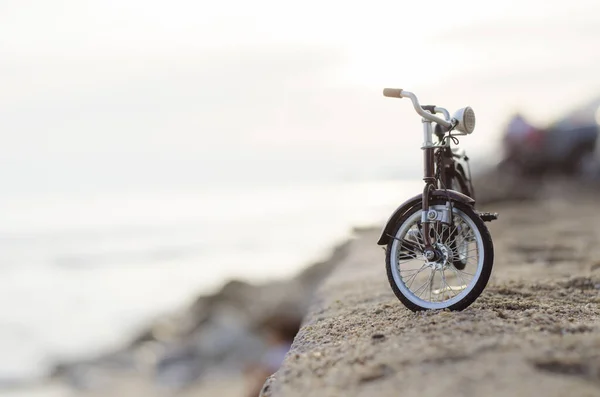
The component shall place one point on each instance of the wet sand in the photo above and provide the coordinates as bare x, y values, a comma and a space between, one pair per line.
535, 330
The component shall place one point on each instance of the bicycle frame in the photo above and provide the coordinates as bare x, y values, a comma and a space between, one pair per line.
428, 178
429, 170
430, 191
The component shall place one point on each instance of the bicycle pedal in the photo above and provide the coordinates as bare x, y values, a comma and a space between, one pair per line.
488, 216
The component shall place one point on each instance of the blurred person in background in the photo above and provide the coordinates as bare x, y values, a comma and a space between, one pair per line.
567, 146
520, 141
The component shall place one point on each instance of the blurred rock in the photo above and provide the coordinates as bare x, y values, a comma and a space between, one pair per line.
218, 333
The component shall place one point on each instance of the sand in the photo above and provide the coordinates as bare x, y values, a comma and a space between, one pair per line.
535, 330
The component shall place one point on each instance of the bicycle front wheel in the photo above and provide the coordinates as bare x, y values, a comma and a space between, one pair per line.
441, 283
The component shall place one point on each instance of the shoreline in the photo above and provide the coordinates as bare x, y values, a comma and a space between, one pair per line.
175, 336
181, 337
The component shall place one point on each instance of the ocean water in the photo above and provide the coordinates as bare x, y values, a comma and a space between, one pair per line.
81, 274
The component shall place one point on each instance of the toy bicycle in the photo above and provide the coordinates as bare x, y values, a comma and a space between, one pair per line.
439, 251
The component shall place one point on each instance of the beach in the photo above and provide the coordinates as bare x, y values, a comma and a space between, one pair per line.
534, 330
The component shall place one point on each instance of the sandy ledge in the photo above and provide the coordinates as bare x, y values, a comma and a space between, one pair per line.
534, 331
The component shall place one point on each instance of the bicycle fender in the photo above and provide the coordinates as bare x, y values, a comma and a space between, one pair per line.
416, 201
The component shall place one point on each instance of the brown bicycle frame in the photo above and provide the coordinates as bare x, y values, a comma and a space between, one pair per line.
430, 181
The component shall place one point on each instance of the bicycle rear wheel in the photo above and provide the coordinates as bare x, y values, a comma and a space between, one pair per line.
455, 179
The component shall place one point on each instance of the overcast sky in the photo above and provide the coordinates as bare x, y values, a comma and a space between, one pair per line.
107, 88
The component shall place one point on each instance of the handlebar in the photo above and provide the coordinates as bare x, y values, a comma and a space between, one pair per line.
392, 92
400, 93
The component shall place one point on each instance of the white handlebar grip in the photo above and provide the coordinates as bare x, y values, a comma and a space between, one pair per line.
392, 92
